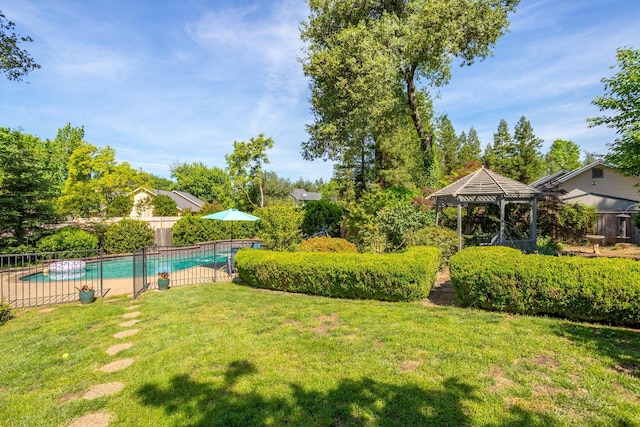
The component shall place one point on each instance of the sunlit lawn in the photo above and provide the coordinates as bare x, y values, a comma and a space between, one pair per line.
226, 354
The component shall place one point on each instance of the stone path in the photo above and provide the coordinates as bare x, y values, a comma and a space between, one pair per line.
102, 419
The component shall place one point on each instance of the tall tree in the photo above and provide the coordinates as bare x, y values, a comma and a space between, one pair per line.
25, 193
499, 155
59, 150
470, 147
14, 61
208, 184
388, 47
563, 155
528, 163
448, 143
245, 167
622, 92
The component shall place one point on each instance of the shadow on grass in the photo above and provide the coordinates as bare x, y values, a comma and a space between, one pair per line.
620, 345
350, 403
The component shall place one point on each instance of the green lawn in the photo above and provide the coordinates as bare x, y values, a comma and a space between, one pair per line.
226, 354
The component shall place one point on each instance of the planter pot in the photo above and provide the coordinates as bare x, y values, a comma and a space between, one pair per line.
163, 284
87, 297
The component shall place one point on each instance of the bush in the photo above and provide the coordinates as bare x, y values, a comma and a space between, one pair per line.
319, 214
279, 226
548, 246
127, 236
440, 237
68, 239
192, 229
120, 206
326, 244
403, 276
164, 205
5, 313
591, 289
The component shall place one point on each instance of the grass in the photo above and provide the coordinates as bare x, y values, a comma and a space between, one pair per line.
225, 354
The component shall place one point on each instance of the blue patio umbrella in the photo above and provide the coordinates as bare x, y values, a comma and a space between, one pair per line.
231, 215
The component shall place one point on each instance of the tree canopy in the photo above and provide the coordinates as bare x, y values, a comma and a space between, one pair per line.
622, 105
367, 60
14, 61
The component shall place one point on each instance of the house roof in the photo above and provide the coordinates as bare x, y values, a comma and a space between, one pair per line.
553, 180
302, 195
486, 185
184, 200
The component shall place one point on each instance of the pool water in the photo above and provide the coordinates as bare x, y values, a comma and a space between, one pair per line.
122, 268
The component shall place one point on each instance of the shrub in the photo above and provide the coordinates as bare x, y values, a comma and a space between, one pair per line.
592, 289
192, 229
164, 205
326, 244
127, 236
439, 237
279, 226
403, 276
68, 239
120, 206
548, 246
5, 313
319, 214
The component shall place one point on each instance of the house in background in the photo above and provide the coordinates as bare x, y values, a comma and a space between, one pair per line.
142, 207
616, 197
301, 197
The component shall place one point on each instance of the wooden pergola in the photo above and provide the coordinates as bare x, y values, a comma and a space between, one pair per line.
487, 187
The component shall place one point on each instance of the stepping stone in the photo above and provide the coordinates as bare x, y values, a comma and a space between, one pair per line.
129, 323
133, 307
130, 315
101, 390
97, 419
127, 333
115, 349
117, 365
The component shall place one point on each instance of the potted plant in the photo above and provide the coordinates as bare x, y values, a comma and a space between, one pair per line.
86, 294
163, 281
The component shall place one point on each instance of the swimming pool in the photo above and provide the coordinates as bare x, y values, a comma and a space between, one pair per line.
122, 268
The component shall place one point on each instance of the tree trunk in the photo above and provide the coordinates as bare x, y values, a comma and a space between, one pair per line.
425, 138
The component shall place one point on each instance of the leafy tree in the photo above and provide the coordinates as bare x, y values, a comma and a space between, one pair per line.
563, 155
365, 58
319, 214
207, 184
121, 205
159, 183
25, 193
59, 150
14, 61
280, 226
590, 157
164, 205
245, 167
622, 92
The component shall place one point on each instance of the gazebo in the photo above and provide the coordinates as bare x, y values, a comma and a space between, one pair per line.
487, 187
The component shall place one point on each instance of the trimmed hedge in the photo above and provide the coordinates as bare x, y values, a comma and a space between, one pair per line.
405, 276
326, 244
591, 289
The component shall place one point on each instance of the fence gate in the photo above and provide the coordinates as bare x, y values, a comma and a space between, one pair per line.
140, 283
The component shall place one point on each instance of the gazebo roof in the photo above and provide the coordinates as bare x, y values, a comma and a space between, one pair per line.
485, 185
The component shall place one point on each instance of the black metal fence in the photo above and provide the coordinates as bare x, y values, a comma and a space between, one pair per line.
186, 265
33, 279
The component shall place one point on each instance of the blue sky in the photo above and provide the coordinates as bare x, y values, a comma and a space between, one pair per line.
179, 81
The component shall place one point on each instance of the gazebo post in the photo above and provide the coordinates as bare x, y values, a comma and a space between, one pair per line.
533, 231
502, 236
459, 226
437, 210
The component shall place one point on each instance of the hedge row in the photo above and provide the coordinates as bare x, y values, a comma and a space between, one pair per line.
591, 289
405, 276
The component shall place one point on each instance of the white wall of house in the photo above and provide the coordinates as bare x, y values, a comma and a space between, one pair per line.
141, 197
612, 184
